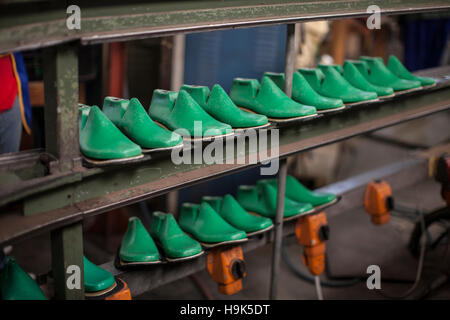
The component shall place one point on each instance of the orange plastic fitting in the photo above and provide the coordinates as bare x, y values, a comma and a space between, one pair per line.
123, 294
226, 266
312, 231
378, 201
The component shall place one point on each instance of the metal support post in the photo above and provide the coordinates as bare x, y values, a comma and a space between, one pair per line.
176, 81
291, 51
289, 70
61, 104
67, 262
276, 251
61, 140
61, 120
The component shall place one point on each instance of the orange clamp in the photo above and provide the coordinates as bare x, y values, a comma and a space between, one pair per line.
312, 231
123, 293
226, 266
378, 201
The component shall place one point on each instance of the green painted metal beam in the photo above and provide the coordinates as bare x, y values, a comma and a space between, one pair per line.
61, 104
61, 121
67, 262
32, 25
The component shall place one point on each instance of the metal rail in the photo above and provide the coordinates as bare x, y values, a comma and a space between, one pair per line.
21, 28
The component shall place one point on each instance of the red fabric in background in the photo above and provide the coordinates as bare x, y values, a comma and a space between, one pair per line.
8, 84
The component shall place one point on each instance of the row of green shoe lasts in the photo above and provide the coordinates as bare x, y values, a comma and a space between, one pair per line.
16, 284
124, 130
216, 221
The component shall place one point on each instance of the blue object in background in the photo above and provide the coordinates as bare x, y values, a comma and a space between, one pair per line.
425, 40
221, 56
25, 93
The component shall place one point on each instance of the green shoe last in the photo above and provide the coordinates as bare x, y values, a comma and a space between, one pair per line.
16, 284
219, 105
298, 192
132, 119
95, 278
262, 199
353, 75
206, 225
137, 245
303, 93
101, 139
338, 86
330, 83
180, 111
175, 243
234, 214
400, 71
267, 99
380, 75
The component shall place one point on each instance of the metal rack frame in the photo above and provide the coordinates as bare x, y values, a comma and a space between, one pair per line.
56, 176
399, 175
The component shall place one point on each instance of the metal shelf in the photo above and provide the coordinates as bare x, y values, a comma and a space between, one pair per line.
400, 176
35, 24
86, 192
